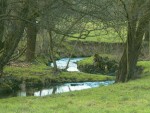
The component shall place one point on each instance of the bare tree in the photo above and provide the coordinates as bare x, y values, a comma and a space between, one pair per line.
60, 22
138, 15
14, 29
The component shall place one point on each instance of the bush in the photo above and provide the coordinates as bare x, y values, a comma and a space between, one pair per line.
102, 65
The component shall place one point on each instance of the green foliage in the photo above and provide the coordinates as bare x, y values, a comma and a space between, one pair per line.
131, 97
103, 63
89, 60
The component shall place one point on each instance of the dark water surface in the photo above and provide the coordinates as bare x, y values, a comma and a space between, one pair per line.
55, 89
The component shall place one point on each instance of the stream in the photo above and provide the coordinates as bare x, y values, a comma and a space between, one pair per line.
72, 64
58, 88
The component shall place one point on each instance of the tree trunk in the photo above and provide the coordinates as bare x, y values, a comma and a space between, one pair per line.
3, 6
1, 70
52, 54
127, 65
15, 30
31, 41
146, 36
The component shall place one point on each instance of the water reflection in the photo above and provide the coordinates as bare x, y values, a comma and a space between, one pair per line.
67, 87
27, 92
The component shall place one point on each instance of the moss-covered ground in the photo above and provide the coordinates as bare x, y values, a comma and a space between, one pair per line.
38, 74
103, 63
130, 97
41, 72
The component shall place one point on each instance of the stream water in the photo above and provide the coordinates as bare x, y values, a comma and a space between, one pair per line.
72, 64
58, 88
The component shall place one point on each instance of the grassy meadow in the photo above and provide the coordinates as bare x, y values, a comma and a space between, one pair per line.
108, 35
130, 97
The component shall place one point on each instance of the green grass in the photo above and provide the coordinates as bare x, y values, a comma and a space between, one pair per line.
41, 72
89, 60
109, 35
131, 97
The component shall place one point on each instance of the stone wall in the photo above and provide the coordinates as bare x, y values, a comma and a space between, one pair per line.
86, 48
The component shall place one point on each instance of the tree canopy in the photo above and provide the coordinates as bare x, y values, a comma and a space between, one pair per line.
63, 18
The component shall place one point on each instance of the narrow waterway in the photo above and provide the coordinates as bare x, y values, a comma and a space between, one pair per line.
62, 63
57, 89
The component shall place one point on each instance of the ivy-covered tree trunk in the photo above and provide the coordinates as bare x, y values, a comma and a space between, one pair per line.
15, 29
31, 41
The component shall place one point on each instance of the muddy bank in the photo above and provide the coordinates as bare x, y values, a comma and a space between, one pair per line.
86, 48
83, 49
90, 48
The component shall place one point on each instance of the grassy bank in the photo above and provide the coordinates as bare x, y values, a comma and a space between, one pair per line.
102, 63
131, 97
41, 71
89, 60
40, 74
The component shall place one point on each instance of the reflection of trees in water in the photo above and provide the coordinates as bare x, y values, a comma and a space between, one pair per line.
60, 89
48, 91
69, 88
30, 91
54, 90
41, 90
